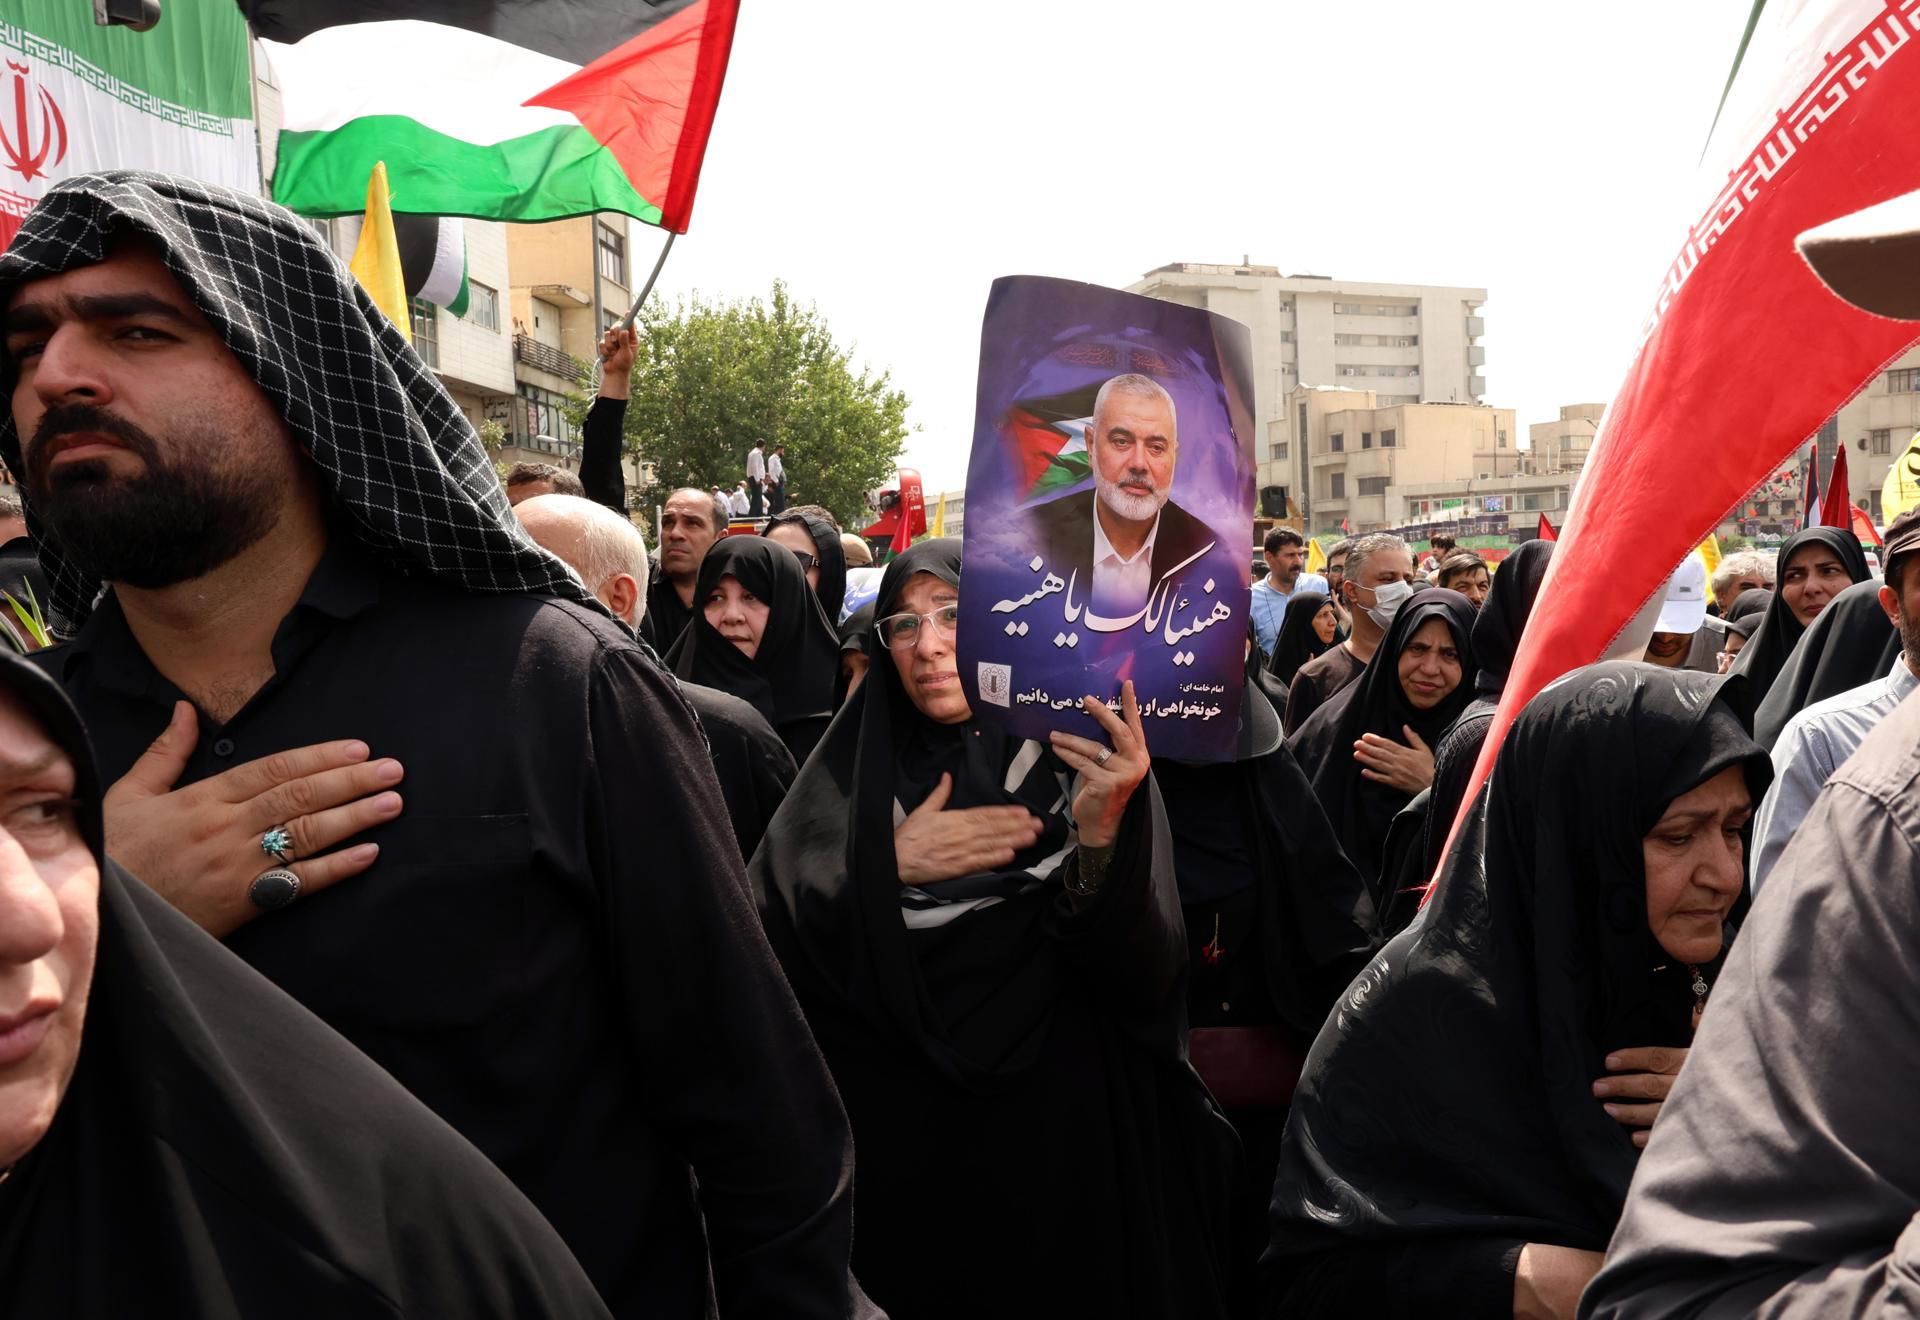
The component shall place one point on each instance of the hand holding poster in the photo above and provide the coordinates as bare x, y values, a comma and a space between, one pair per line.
1109, 515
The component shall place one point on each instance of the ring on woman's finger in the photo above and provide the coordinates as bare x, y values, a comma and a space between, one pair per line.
273, 890
1102, 756
277, 843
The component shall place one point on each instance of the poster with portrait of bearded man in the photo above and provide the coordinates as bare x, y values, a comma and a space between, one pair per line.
1109, 515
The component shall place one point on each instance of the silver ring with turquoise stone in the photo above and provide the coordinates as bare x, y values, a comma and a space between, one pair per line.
277, 843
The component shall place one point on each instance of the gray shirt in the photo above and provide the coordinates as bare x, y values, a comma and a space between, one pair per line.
1811, 747
1783, 1178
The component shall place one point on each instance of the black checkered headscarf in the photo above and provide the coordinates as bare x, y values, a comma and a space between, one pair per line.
401, 463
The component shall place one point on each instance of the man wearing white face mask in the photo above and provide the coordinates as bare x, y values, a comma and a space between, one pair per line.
1379, 579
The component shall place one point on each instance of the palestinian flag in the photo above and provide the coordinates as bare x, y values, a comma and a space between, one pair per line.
75, 98
1741, 338
497, 109
1046, 440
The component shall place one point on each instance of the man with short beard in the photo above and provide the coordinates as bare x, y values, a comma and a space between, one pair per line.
1817, 740
1118, 540
302, 544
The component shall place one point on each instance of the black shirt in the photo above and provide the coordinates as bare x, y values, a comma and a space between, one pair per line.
1319, 681
556, 951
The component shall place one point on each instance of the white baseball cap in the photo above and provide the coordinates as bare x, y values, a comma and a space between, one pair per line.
1686, 605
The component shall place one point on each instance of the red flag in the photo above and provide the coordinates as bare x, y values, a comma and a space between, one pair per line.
1346, 526
1863, 526
1743, 340
1837, 511
1546, 530
1810, 509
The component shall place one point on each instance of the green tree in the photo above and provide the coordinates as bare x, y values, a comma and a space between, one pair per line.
710, 378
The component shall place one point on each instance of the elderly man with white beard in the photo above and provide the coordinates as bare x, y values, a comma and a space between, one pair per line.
1120, 538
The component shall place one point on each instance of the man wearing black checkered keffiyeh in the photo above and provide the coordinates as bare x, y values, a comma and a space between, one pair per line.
363, 730
398, 458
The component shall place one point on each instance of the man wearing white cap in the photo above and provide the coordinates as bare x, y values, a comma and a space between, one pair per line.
1678, 641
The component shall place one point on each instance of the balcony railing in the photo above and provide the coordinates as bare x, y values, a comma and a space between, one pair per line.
545, 357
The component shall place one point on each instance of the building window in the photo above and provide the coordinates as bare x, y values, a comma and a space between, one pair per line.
1337, 442
1277, 452
1881, 441
611, 250
1373, 485
1904, 381
1500, 437
1388, 439
1339, 486
483, 306
1377, 341
1286, 336
543, 413
426, 331
1366, 439
1376, 309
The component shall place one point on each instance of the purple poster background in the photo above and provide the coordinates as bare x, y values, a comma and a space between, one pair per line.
1036, 634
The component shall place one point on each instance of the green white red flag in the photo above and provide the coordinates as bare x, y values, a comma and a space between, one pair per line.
497, 109
76, 98
1745, 352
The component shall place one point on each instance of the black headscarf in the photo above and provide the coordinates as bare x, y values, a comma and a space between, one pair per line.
1449, 1099
1503, 616
221, 1153
1361, 809
832, 557
399, 460
828, 865
1850, 643
1496, 640
1297, 641
853, 637
791, 676
1766, 652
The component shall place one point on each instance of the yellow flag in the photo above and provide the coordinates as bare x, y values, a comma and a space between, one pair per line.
376, 257
1316, 557
939, 527
1901, 490
1709, 553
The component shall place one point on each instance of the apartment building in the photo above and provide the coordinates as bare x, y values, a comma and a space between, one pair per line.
1562, 445
1363, 454
1402, 343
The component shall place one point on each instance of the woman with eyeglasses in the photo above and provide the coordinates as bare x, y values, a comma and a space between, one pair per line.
985, 934
816, 543
758, 633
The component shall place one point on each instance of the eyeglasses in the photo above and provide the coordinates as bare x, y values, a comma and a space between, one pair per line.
898, 630
807, 561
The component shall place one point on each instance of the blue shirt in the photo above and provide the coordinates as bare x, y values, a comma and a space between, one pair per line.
1270, 605
1811, 747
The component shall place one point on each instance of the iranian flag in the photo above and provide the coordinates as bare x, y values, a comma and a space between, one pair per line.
1745, 353
76, 98
497, 109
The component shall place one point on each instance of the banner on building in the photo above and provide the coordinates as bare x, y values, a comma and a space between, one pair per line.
1110, 501
76, 98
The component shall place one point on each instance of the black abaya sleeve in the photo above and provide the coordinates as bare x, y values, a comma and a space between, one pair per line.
734, 1074
600, 454
1129, 942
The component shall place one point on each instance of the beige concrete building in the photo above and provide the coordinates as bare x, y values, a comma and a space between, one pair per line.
1493, 506
1876, 427
1401, 343
1363, 455
1562, 445
570, 282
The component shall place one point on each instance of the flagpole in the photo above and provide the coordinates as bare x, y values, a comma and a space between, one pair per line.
626, 322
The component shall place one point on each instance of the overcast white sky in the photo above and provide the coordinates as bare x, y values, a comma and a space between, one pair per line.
889, 160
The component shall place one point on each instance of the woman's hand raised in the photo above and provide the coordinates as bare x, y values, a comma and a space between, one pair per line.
1105, 786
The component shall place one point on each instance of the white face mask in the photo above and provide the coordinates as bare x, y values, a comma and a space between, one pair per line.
1387, 600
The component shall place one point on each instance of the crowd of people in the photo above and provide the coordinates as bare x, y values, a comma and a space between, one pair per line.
466, 911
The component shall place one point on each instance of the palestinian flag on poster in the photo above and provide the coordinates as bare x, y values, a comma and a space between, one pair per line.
1046, 439
496, 109
1742, 338
75, 98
